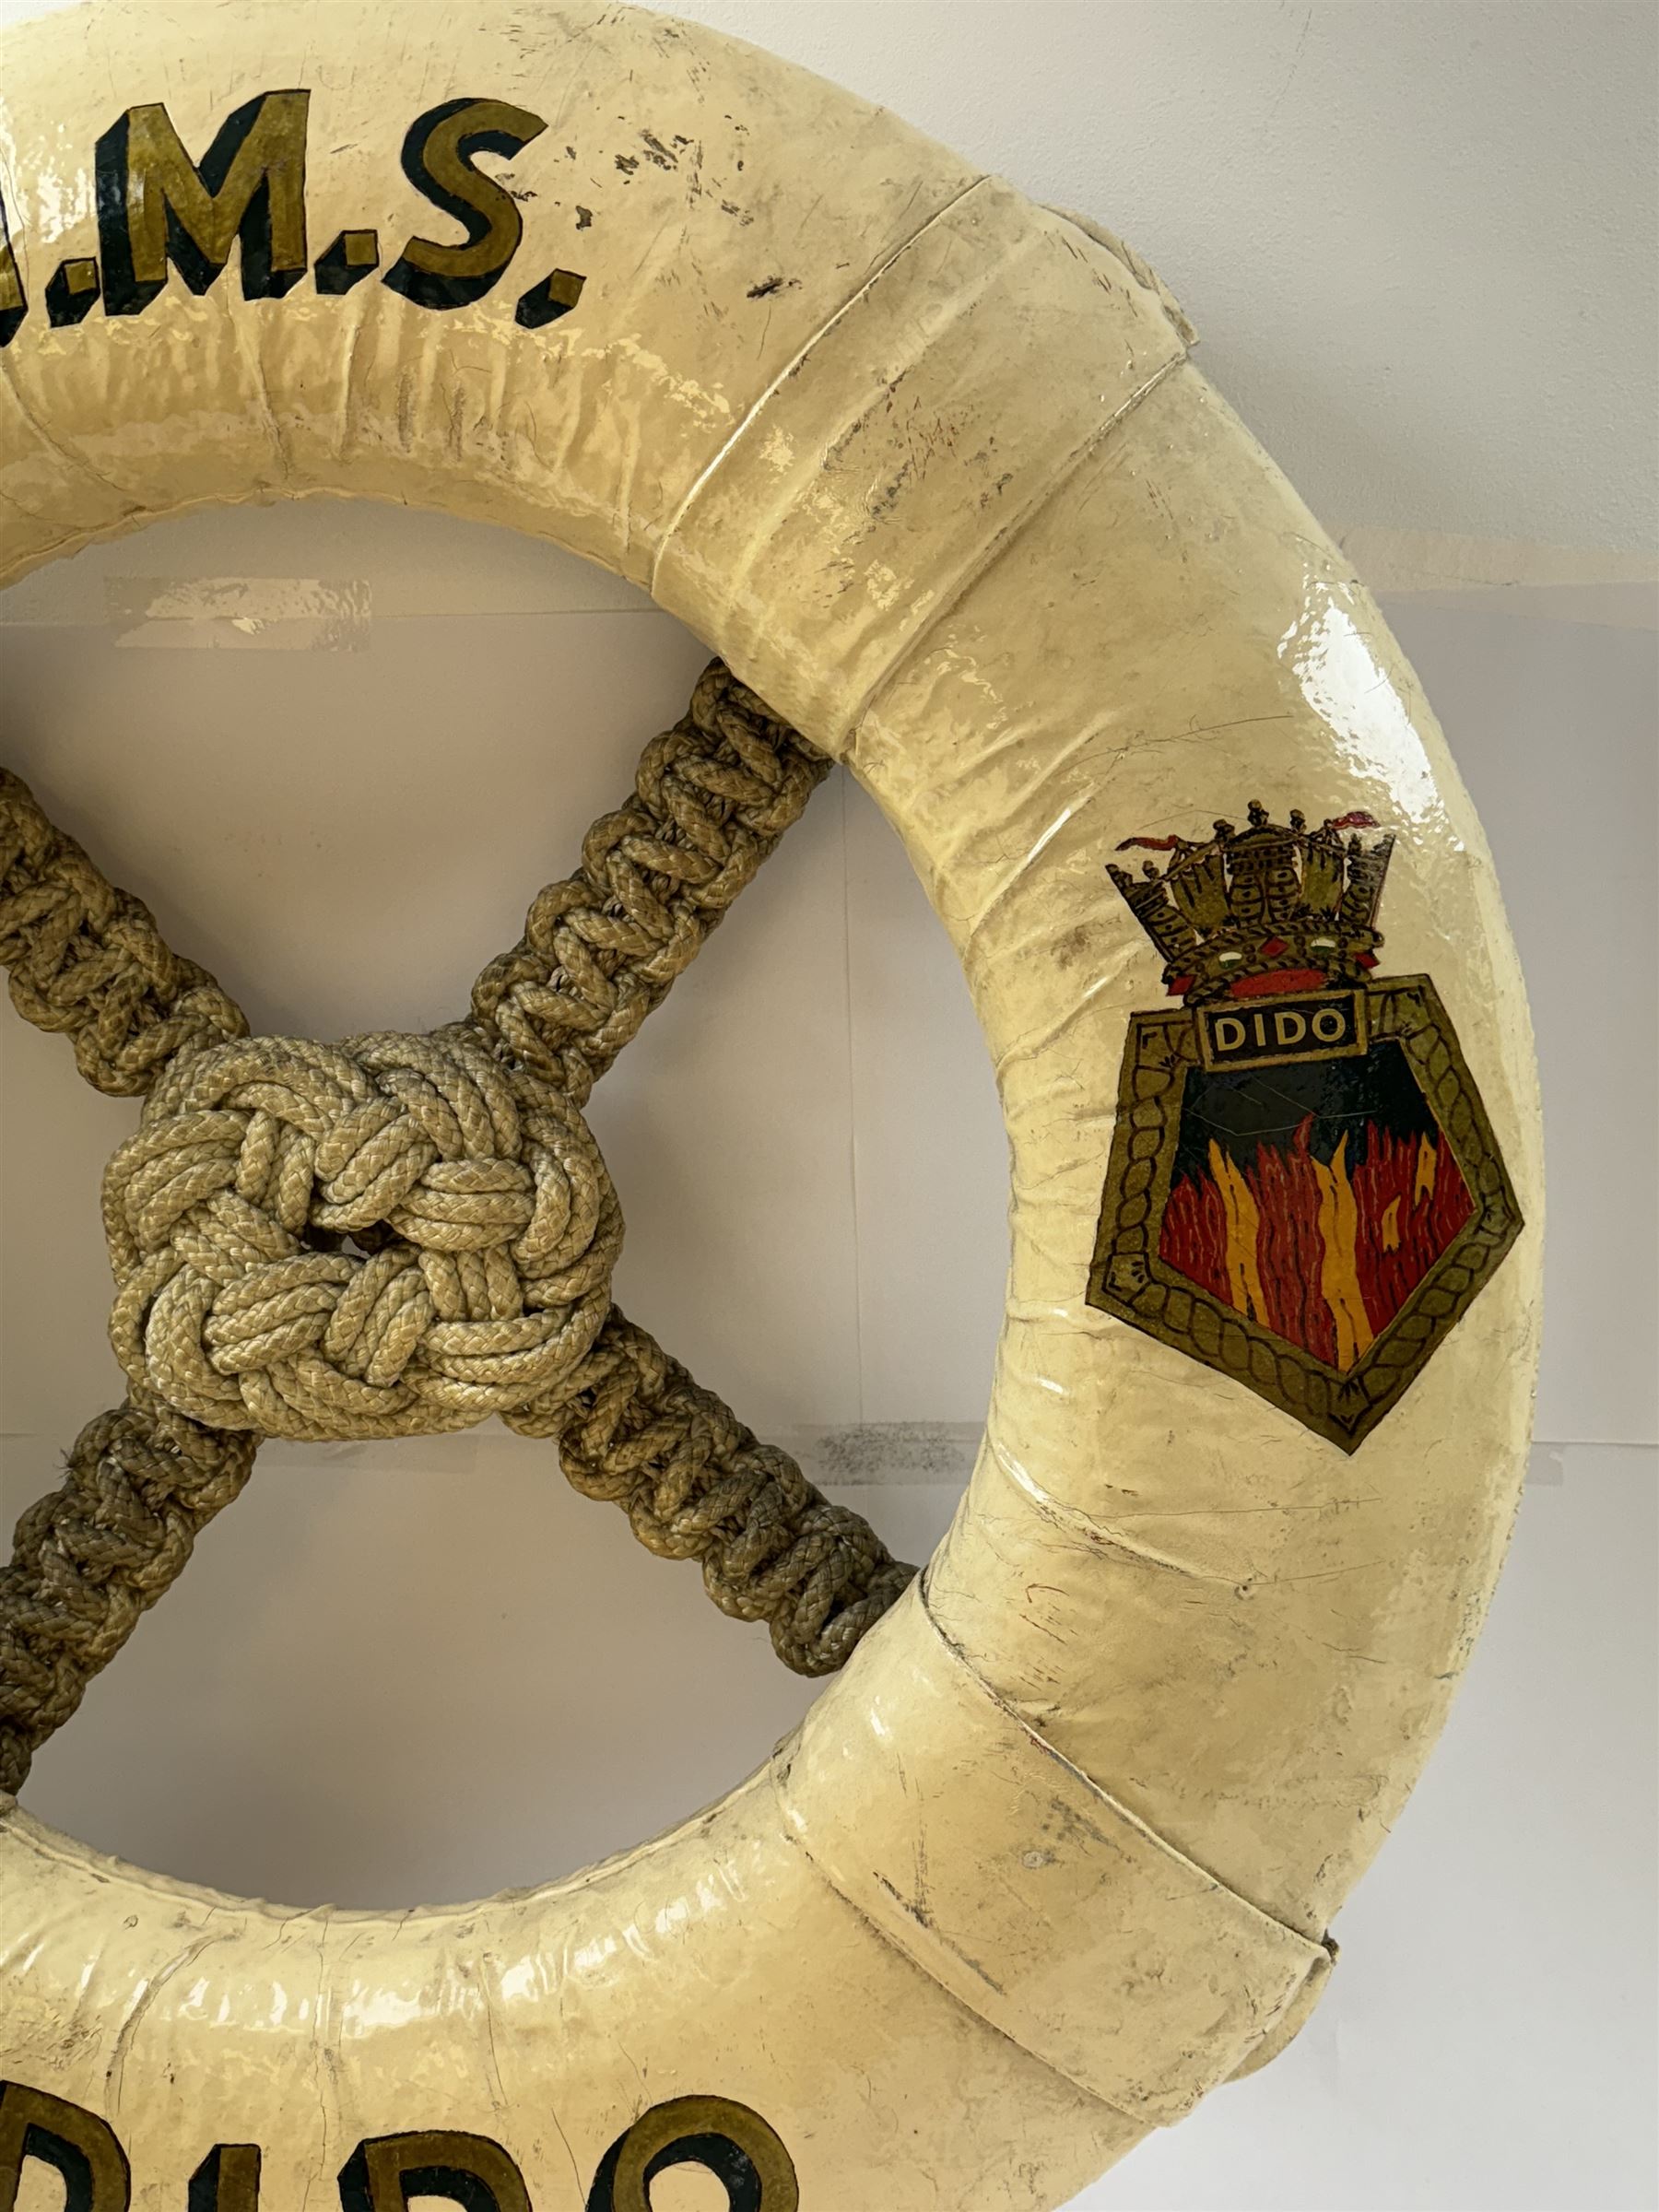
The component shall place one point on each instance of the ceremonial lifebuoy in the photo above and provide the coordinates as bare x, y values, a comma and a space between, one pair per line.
930, 468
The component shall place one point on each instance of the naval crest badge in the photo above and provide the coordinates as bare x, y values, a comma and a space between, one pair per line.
1304, 1192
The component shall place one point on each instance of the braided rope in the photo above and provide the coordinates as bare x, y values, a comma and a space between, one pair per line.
601, 948
634, 1429
394, 1236
88, 960
457, 1144
93, 1555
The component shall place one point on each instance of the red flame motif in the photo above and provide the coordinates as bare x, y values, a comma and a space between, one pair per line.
1324, 1255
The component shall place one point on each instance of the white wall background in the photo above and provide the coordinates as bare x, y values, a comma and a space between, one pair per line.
1419, 240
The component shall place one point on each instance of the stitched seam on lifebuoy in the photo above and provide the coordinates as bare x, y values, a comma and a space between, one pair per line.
50, 1847
248, 336
856, 1882
72, 459
792, 366
1321, 1958
843, 743
1074, 1522
1118, 1810
889, 1941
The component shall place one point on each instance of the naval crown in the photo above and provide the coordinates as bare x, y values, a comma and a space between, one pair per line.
1269, 908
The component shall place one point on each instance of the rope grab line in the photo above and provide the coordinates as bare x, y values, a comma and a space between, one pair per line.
401, 1236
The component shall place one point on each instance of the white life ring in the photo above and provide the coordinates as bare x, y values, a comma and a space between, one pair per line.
930, 467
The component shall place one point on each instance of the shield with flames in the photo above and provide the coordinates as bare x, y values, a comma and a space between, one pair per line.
1304, 1190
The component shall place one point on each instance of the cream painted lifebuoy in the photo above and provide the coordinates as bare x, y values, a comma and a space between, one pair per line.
930, 467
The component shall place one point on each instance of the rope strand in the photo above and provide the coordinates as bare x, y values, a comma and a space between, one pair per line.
600, 949
634, 1429
95, 1553
88, 960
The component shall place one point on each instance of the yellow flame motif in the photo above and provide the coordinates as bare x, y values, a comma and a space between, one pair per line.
1243, 1235
1323, 1253
1427, 1164
1339, 1262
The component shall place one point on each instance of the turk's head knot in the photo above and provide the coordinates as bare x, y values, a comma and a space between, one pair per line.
394, 1236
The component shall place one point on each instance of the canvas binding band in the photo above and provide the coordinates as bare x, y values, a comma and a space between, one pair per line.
1051, 1850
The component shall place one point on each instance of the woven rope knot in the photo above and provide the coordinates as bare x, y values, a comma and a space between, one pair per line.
402, 1235
394, 1236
